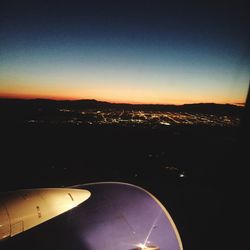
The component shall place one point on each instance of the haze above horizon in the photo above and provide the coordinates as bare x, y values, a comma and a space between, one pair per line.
138, 52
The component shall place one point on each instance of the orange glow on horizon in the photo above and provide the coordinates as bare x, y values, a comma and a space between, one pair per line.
122, 91
33, 96
68, 97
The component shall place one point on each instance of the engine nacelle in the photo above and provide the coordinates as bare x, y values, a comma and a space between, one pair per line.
23, 209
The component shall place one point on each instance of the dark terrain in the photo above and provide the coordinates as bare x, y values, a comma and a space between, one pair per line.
197, 171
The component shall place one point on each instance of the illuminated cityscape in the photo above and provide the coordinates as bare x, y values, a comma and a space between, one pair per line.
138, 118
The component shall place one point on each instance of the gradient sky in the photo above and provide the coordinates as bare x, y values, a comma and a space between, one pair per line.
133, 51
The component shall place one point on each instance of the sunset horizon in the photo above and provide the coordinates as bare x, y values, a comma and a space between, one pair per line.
152, 57
68, 98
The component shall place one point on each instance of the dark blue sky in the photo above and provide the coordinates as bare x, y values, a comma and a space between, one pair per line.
129, 51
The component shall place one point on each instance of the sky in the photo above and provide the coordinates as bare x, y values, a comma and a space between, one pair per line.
133, 51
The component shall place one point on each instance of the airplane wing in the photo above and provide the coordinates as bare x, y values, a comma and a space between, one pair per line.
116, 216
23, 209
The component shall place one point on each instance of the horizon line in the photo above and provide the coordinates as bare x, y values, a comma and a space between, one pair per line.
118, 103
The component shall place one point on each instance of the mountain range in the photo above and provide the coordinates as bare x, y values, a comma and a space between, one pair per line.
48, 104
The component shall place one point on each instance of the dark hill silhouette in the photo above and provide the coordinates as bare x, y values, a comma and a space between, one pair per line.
50, 105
